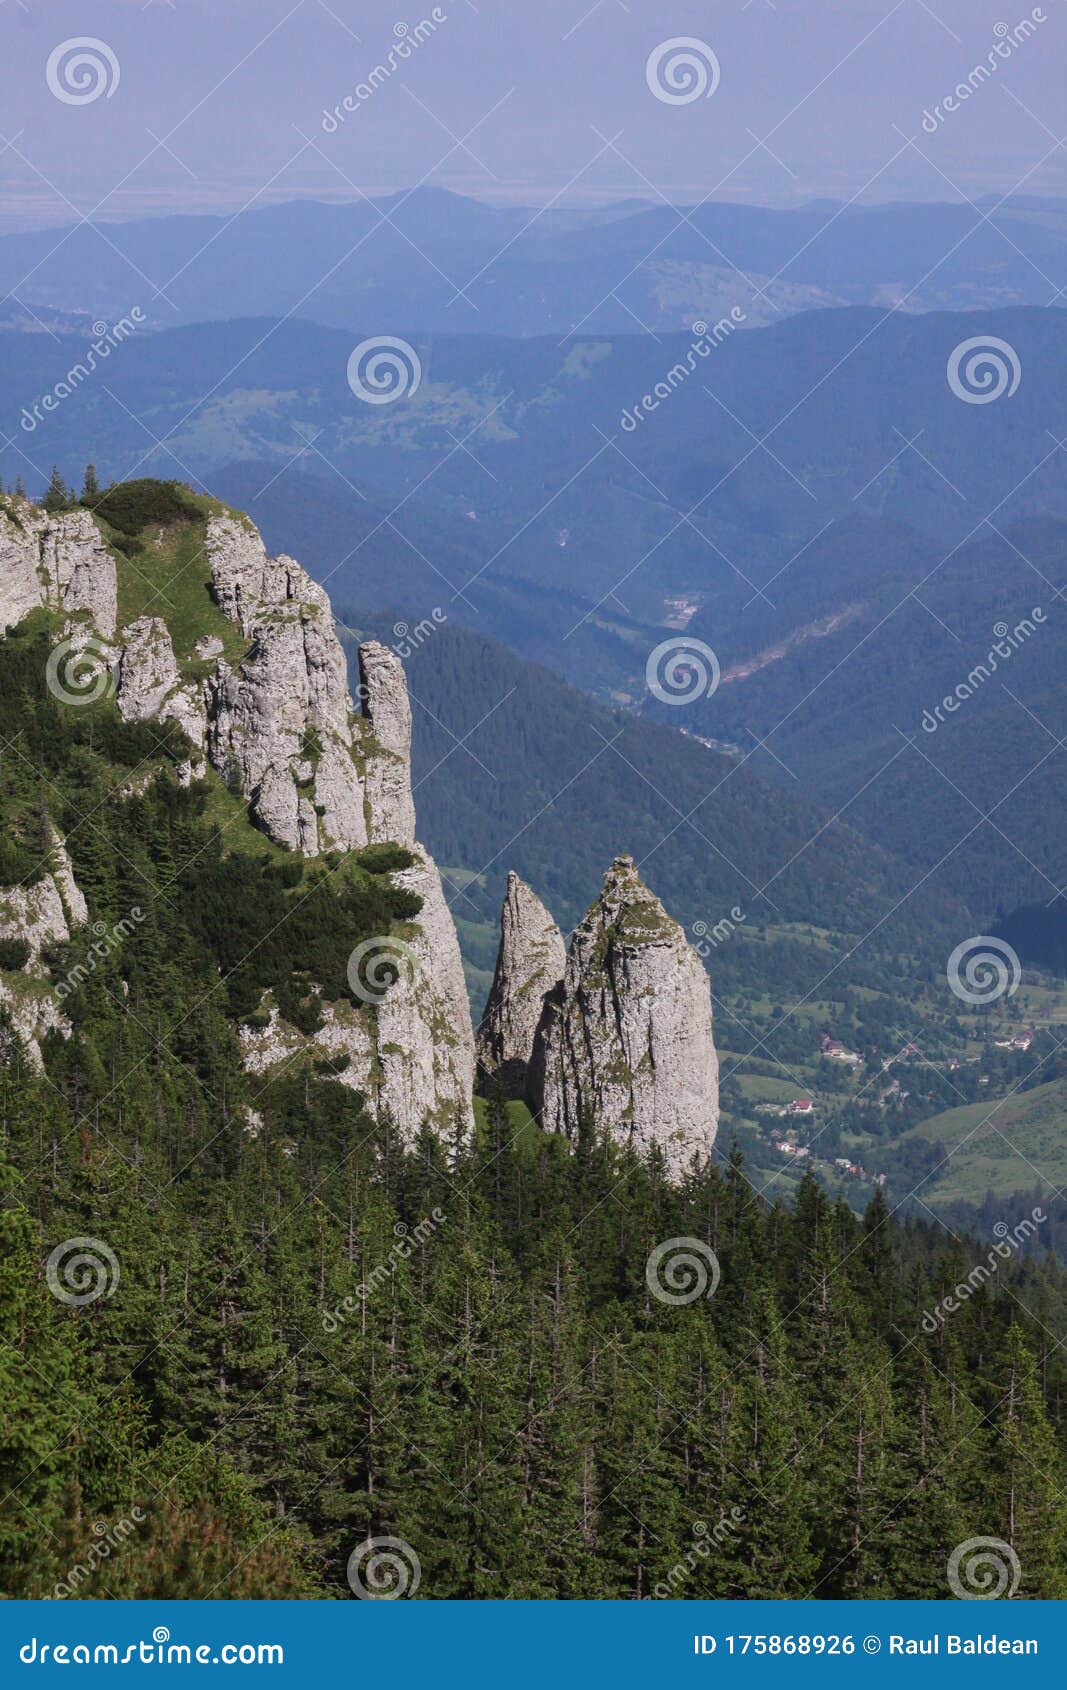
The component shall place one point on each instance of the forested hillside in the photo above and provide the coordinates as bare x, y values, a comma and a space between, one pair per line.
285, 1334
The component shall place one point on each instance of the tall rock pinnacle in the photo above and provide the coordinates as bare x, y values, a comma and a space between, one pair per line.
626, 1040
529, 964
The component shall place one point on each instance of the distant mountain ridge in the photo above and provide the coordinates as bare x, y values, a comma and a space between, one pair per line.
449, 264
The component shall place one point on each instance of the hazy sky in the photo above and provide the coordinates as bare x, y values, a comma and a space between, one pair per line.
219, 103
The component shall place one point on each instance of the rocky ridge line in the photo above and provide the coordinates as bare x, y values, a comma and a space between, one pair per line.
317, 775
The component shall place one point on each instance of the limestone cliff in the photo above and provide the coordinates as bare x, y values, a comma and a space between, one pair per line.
149, 685
625, 1041
279, 722
60, 561
267, 705
529, 964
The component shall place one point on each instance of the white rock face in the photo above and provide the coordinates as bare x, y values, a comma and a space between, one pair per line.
42, 914
626, 1040
425, 1043
345, 786
78, 569
386, 743
149, 685
21, 588
318, 777
529, 965
60, 561
280, 722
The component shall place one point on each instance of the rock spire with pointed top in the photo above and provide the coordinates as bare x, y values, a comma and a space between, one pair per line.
529, 965
625, 1041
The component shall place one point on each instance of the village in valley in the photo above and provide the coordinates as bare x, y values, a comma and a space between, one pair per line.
850, 1123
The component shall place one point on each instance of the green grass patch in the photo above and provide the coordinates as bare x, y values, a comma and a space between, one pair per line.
1005, 1144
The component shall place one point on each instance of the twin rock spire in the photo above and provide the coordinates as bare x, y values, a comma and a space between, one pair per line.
617, 1034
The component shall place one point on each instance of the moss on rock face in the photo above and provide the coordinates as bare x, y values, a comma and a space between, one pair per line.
628, 1035
221, 663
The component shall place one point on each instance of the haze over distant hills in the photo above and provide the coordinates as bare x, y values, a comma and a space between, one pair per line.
447, 264
812, 500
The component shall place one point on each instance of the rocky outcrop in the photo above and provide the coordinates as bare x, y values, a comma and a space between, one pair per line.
529, 965
425, 1043
42, 914
279, 723
21, 588
386, 744
149, 685
320, 776
271, 711
78, 570
56, 560
625, 1041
